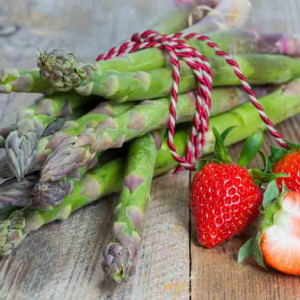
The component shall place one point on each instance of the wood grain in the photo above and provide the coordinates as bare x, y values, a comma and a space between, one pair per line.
63, 260
215, 273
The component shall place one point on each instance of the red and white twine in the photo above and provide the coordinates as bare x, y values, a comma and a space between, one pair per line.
176, 47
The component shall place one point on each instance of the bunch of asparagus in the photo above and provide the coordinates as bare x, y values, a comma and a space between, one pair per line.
59, 155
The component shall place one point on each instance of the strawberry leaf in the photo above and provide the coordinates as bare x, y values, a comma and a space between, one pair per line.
293, 146
226, 132
271, 193
199, 164
277, 154
264, 177
252, 248
251, 148
266, 161
221, 151
257, 254
246, 250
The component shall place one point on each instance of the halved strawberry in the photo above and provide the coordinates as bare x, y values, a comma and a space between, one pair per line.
277, 244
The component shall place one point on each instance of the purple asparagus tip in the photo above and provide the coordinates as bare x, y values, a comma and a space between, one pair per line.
117, 263
50, 193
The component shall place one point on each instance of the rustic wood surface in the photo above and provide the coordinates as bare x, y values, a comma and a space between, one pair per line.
63, 259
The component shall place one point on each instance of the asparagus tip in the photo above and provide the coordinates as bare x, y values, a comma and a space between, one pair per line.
62, 70
21, 151
15, 192
12, 232
49, 193
117, 263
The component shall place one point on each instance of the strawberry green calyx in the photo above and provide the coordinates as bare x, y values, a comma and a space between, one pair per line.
221, 154
120, 255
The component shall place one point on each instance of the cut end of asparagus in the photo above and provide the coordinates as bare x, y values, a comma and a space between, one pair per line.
12, 232
49, 193
118, 264
17, 193
21, 152
63, 72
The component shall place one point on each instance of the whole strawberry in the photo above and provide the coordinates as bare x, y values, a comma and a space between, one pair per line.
288, 163
277, 242
225, 198
224, 201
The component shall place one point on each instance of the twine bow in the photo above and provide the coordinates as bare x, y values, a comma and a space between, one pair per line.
176, 47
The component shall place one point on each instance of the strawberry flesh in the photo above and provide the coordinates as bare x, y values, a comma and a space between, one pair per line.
280, 243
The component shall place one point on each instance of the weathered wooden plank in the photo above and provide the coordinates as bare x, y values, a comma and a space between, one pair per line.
63, 260
215, 273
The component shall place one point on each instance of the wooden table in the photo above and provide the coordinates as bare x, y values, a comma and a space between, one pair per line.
63, 259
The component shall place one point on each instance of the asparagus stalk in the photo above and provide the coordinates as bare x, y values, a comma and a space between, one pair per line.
32, 123
227, 14
176, 21
120, 254
223, 99
74, 155
85, 123
232, 41
108, 178
258, 68
183, 17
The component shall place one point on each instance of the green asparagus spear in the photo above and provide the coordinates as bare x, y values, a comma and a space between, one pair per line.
258, 68
232, 41
74, 155
227, 14
78, 152
175, 21
184, 17
31, 124
120, 254
108, 178
223, 99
